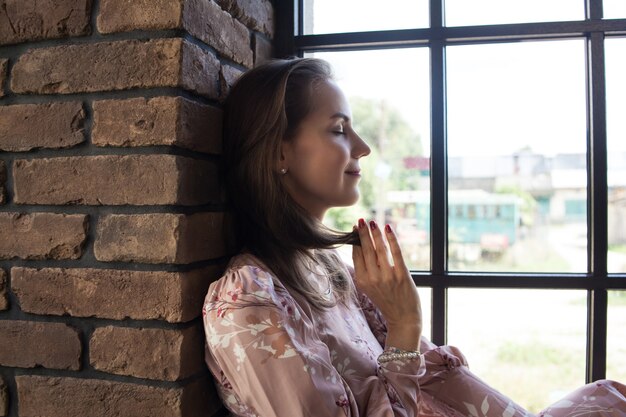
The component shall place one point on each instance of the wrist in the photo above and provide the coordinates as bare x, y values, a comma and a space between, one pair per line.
405, 337
394, 354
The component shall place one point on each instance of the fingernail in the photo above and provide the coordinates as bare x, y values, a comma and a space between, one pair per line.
387, 228
361, 223
373, 225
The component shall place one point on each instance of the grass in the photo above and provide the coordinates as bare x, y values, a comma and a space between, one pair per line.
532, 354
617, 298
534, 374
617, 248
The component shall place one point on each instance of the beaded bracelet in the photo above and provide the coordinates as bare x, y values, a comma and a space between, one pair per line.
395, 354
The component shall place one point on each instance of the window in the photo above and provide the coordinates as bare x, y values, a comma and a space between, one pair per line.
499, 155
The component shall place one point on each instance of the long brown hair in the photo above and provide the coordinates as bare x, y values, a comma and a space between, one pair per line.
264, 108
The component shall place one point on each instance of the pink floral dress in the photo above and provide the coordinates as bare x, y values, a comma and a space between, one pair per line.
272, 355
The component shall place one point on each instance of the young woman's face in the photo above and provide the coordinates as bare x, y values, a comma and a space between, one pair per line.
322, 161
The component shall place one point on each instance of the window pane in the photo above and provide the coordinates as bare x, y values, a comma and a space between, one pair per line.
616, 335
615, 52
489, 12
517, 157
330, 16
528, 344
614, 9
388, 91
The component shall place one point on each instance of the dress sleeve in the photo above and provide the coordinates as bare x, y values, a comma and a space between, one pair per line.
403, 375
271, 361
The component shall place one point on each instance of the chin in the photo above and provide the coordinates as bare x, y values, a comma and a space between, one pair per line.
350, 200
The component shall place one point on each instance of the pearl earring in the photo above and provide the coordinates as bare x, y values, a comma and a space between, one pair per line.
283, 171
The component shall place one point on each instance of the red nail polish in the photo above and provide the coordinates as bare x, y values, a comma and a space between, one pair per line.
387, 228
361, 223
373, 225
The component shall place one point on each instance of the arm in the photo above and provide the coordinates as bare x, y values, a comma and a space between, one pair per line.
391, 305
268, 355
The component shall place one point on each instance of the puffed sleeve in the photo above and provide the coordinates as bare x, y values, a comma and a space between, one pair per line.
269, 361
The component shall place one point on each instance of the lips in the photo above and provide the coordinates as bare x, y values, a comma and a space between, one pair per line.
356, 172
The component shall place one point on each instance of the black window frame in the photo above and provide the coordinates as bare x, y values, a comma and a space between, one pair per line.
290, 41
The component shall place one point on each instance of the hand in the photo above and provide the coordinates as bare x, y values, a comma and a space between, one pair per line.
390, 287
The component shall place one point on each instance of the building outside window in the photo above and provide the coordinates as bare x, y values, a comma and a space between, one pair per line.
499, 156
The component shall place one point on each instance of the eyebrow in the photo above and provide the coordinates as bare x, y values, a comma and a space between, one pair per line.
340, 115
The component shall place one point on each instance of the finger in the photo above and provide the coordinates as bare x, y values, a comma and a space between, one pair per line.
381, 246
367, 246
357, 259
394, 246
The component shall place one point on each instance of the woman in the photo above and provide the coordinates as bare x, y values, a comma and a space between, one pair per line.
290, 330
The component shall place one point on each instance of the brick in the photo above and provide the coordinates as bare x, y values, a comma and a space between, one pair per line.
160, 354
208, 22
42, 235
79, 397
113, 294
52, 125
4, 299
157, 121
4, 398
114, 180
124, 15
200, 71
228, 76
201, 18
27, 344
32, 20
262, 49
120, 65
182, 238
256, 14
200, 127
3, 179
4, 63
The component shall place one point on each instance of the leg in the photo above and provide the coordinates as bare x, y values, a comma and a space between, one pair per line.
602, 398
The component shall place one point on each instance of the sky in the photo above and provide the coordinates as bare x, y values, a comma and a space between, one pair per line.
501, 97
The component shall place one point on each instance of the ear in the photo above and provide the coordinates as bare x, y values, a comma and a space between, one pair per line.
285, 152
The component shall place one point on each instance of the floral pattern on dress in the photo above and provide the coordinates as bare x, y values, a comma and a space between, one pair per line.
272, 356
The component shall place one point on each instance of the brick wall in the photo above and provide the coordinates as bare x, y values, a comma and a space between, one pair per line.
112, 221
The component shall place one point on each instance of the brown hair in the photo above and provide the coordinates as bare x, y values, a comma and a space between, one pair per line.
264, 108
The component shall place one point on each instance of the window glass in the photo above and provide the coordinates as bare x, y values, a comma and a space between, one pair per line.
615, 53
389, 95
528, 344
330, 16
489, 12
616, 335
614, 9
517, 148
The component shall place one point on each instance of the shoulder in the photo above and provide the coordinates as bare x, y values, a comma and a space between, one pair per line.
247, 272
245, 282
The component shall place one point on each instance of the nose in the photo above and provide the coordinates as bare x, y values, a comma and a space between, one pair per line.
359, 147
